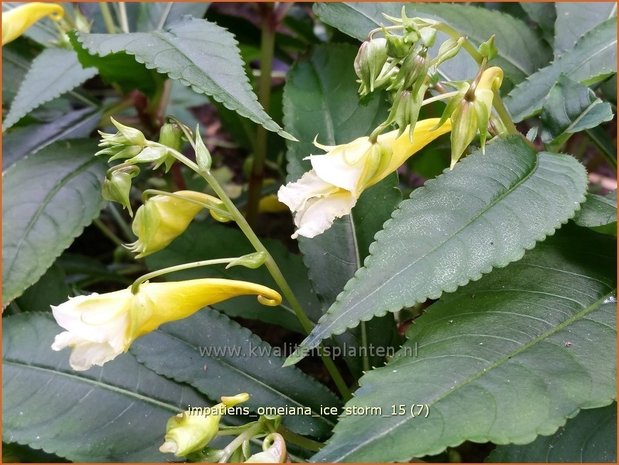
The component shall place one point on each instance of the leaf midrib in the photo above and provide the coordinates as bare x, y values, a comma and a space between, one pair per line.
576, 317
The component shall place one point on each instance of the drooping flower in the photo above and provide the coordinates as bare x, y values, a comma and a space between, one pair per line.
192, 430
99, 327
16, 21
162, 218
331, 189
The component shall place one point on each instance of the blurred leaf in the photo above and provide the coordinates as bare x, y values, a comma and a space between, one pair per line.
207, 240
52, 73
593, 59
210, 352
570, 108
599, 213
112, 414
521, 52
159, 15
458, 227
14, 69
320, 100
576, 19
198, 54
48, 198
501, 360
545, 15
21, 141
588, 438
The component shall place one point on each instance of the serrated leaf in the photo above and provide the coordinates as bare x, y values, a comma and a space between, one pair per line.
570, 108
576, 19
195, 52
48, 199
14, 69
320, 100
116, 413
521, 51
212, 353
599, 213
589, 437
21, 141
52, 73
483, 214
502, 360
207, 240
593, 59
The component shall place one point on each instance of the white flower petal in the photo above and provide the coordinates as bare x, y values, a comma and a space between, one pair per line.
343, 166
319, 213
296, 194
87, 354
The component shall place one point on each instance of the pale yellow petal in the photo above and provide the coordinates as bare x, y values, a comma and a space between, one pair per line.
16, 21
320, 213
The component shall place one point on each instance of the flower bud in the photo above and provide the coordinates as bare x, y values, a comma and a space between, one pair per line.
448, 50
163, 218
463, 129
273, 450
427, 36
369, 63
412, 73
117, 186
405, 110
397, 47
488, 49
171, 136
128, 135
203, 156
192, 430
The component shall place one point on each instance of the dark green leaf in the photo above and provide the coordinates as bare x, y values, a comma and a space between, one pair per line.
21, 141
570, 108
198, 54
48, 199
588, 438
320, 100
576, 19
51, 289
521, 52
504, 359
483, 214
599, 213
544, 14
212, 353
52, 73
116, 413
593, 59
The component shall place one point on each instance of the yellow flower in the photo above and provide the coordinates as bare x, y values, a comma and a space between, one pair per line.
163, 218
192, 430
331, 189
99, 327
16, 21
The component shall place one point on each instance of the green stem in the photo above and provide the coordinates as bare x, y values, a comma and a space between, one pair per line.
272, 267
122, 224
504, 115
107, 232
267, 49
172, 269
122, 17
107, 17
238, 442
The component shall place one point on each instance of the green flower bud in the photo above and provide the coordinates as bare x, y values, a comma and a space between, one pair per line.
427, 36
203, 156
117, 186
397, 47
171, 136
488, 49
463, 129
128, 135
369, 63
405, 110
448, 50
412, 73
